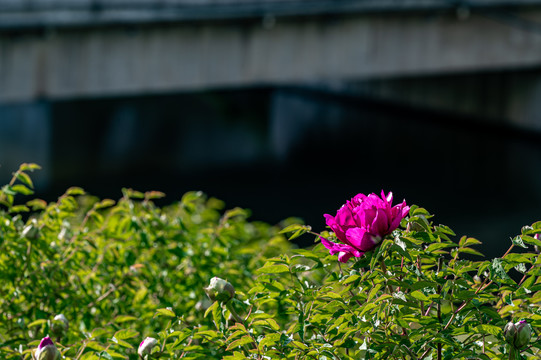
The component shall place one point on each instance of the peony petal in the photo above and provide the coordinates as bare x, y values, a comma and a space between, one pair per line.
388, 202
405, 209
344, 251
399, 212
331, 222
344, 256
380, 225
344, 217
357, 200
333, 247
389, 197
376, 201
361, 239
46, 341
366, 214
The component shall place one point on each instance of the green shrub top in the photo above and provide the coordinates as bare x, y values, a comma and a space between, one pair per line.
127, 279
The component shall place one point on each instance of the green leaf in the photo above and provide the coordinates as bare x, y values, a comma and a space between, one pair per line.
115, 355
19, 208
94, 345
419, 211
21, 189
211, 334
37, 204
419, 295
298, 230
373, 292
246, 339
482, 356
104, 204
491, 312
530, 240
488, 329
132, 194
268, 322
291, 228
273, 269
471, 251
98, 332
105, 355
125, 334
383, 297
468, 241
423, 284
236, 356
151, 195
438, 246
350, 279
521, 258
165, 312
37, 323
211, 308
74, 190
124, 318
122, 343
269, 340
366, 308
25, 179
29, 167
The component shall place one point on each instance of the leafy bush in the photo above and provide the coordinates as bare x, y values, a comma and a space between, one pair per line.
109, 267
123, 271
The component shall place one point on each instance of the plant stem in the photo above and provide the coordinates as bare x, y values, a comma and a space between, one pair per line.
236, 316
440, 266
384, 268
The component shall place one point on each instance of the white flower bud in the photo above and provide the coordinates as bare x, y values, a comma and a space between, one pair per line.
220, 290
31, 231
46, 350
145, 347
59, 325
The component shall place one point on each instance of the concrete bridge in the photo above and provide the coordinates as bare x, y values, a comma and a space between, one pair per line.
62, 49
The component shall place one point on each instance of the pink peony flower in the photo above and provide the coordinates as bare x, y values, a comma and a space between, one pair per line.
362, 223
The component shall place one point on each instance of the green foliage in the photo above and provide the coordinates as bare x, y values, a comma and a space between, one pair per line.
124, 270
118, 270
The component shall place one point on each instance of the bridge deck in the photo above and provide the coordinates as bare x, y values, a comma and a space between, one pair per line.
18, 14
69, 59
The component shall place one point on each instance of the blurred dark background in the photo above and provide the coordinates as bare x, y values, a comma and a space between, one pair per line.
454, 126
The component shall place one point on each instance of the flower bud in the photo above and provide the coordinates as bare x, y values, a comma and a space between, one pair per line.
518, 335
60, 325
509, 332
145, 347
523, 335
220, 290
31, 231
46, 350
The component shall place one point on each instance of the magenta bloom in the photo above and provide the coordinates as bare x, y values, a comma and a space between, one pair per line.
362, 223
